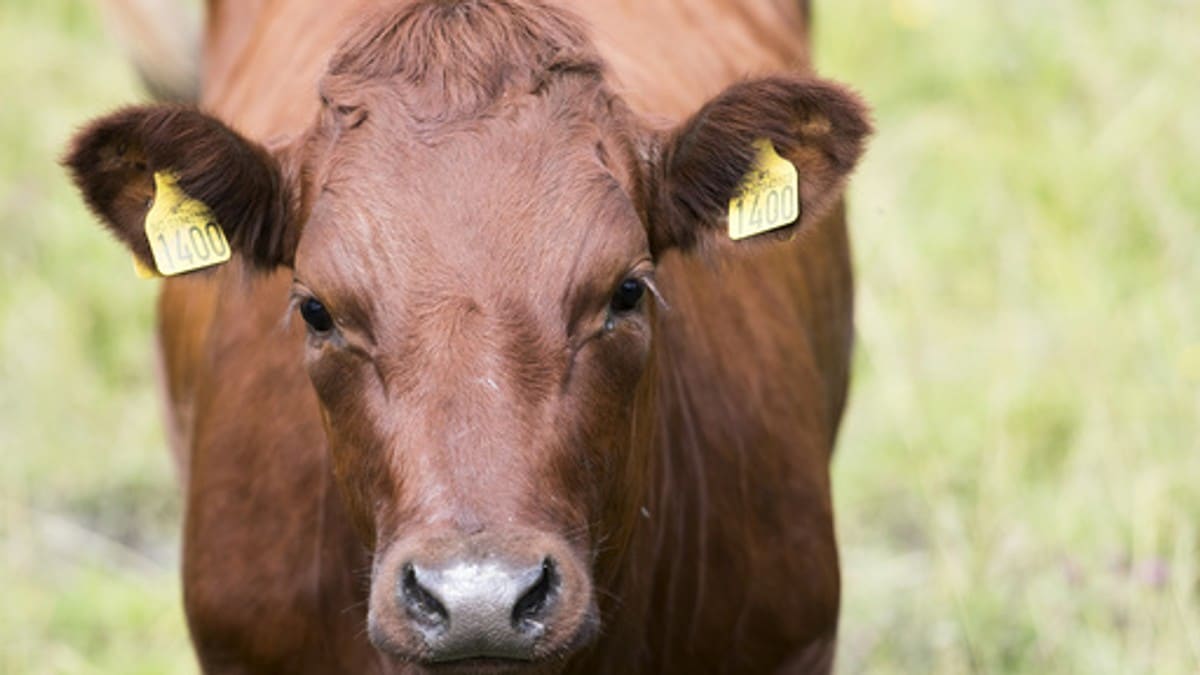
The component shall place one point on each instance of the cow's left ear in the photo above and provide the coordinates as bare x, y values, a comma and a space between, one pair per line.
817, 126
119, 161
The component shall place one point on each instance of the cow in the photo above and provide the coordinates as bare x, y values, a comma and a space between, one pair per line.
487, 385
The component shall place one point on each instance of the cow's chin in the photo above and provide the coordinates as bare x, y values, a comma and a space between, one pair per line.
494, 602
480, 667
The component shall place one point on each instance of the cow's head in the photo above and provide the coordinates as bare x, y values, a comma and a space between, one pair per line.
473, 221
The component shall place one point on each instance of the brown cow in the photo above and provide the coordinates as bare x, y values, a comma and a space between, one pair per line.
540, 413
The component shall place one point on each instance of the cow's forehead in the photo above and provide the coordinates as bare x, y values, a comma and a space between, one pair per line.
502, 210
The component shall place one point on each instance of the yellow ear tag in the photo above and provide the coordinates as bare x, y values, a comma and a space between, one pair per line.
143, 272
769, 196
183, 232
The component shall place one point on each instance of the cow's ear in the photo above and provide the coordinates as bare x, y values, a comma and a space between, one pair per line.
734, 141
249, 190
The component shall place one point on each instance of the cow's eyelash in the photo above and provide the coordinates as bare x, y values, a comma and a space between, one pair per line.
293, 306
646, 277
648, 280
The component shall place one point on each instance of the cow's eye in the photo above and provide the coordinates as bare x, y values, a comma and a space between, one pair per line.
316, 316
627, 295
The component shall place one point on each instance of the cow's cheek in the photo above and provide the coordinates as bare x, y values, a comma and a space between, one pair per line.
357, 450
600, 466
358, 472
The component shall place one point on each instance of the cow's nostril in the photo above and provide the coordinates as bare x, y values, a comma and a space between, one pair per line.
530, 607
422, 605
480, 607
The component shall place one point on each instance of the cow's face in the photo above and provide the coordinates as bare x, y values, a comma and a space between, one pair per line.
474, 260
478, 306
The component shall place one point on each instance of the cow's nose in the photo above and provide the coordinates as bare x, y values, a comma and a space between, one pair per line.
479, 609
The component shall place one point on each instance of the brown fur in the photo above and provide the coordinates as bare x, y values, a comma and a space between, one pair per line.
116, 159
476, 180
814, 124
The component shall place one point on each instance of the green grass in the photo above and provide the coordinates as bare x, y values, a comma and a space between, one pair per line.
88, 505
1016, 481
1016, 484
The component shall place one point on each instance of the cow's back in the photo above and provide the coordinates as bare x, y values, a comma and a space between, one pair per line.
754, 365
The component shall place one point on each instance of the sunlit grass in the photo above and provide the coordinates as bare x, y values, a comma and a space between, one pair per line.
1016, 483
1016, 486
88, 505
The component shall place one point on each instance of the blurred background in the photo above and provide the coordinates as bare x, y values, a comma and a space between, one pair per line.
1017, 480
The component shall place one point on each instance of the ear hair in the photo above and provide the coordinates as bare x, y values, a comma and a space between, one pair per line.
113, 161
817, 125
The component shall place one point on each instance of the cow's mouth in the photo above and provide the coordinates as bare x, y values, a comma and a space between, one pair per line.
479, 665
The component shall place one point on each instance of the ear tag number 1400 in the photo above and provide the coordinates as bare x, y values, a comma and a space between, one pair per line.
769, 196
183, 232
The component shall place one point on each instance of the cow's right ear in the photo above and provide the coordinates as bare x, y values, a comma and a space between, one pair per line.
252, 192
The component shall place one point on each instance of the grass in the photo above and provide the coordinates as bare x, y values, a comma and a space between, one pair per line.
88, 505
1016, 481
1016, 478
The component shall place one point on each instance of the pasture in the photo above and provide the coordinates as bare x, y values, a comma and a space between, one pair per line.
1016, 481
